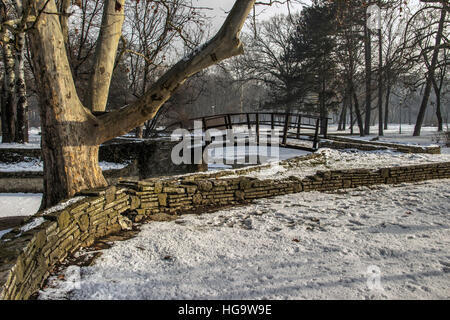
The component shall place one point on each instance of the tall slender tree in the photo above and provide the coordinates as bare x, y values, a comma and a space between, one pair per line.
432, 68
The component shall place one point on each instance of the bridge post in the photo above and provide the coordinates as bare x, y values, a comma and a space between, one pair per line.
272, 121
286, 128
249, 125
316, 134
225, 120
204, 124
229, 122
299, 122
325, 129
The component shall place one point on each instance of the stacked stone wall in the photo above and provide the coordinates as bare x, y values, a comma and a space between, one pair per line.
28, 254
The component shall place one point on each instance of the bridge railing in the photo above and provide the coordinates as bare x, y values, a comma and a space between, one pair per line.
302, 125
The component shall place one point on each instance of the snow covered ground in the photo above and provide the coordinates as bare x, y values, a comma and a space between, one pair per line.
386, 242
346, 159
19, 204
427, 137
36, 165
34, 141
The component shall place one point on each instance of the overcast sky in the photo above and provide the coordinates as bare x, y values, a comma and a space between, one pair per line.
221, 7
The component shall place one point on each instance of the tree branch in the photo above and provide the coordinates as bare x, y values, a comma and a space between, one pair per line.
225, 44
105, 55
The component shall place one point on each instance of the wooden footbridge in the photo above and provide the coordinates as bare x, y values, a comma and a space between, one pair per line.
297, 131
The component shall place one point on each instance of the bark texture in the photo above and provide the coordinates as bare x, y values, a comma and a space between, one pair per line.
69, 150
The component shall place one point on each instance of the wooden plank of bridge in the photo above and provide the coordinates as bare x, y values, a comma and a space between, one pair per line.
299, 123
286, 127
316, 134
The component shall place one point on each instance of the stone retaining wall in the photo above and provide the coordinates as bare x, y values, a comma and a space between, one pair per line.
28, 255
349, 143
147, 158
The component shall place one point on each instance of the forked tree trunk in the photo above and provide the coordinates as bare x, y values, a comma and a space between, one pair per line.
71, 134
69, 146
74, 164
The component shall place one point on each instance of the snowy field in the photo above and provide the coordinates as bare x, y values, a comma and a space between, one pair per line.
386, 242
34, 137
427, 137
346, 159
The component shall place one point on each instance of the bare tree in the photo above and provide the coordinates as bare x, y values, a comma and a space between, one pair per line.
271, 59
435, 54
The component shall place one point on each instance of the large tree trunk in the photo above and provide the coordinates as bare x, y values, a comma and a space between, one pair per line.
69, 146
74, 162
430, 74
9, 85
